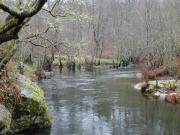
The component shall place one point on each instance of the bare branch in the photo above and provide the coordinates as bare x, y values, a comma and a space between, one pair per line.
23, 13
51, 11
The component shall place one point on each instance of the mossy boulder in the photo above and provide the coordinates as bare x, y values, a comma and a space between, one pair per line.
5, 120
32, 111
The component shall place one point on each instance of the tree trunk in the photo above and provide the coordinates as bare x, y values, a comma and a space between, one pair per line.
7, 50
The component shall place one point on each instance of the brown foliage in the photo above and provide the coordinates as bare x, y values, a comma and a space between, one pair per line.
9, 94
33, 76
40, 73
171, 99
153, 73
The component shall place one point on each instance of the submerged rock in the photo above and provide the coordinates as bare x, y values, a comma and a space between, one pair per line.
5, 120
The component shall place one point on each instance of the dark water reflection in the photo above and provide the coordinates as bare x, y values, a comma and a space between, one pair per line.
105, 103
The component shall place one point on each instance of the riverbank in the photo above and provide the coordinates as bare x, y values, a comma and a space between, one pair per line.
34, 73
165, 90
30, 112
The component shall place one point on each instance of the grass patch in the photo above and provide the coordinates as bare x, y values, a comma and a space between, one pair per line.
64, 60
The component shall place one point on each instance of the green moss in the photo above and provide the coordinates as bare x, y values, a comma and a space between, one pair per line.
38, 93
33, 108
11, 22
36, 96
64, 60
106, 61
165, 83
8, 50
29, 68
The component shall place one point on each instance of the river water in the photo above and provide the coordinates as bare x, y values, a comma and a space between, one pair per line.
105, 103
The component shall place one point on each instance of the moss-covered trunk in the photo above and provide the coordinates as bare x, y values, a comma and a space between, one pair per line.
7, 50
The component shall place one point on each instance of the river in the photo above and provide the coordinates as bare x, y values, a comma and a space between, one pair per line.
105, 103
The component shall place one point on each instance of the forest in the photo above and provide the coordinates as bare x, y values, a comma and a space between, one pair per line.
93, 67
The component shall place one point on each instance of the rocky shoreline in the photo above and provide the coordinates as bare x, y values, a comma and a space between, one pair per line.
30, 113
165, 90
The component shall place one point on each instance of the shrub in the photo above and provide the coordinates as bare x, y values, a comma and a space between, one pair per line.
9, 94
151, 74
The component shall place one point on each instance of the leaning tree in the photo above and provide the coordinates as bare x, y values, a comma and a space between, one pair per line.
16, 16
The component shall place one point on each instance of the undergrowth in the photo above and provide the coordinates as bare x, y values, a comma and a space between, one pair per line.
9, 94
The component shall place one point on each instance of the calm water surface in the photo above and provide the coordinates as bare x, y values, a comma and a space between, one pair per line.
105, 103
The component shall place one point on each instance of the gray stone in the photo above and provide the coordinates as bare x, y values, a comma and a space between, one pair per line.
5, 120
32, 111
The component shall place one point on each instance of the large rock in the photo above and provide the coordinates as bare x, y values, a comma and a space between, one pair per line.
32, 111
5, 120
